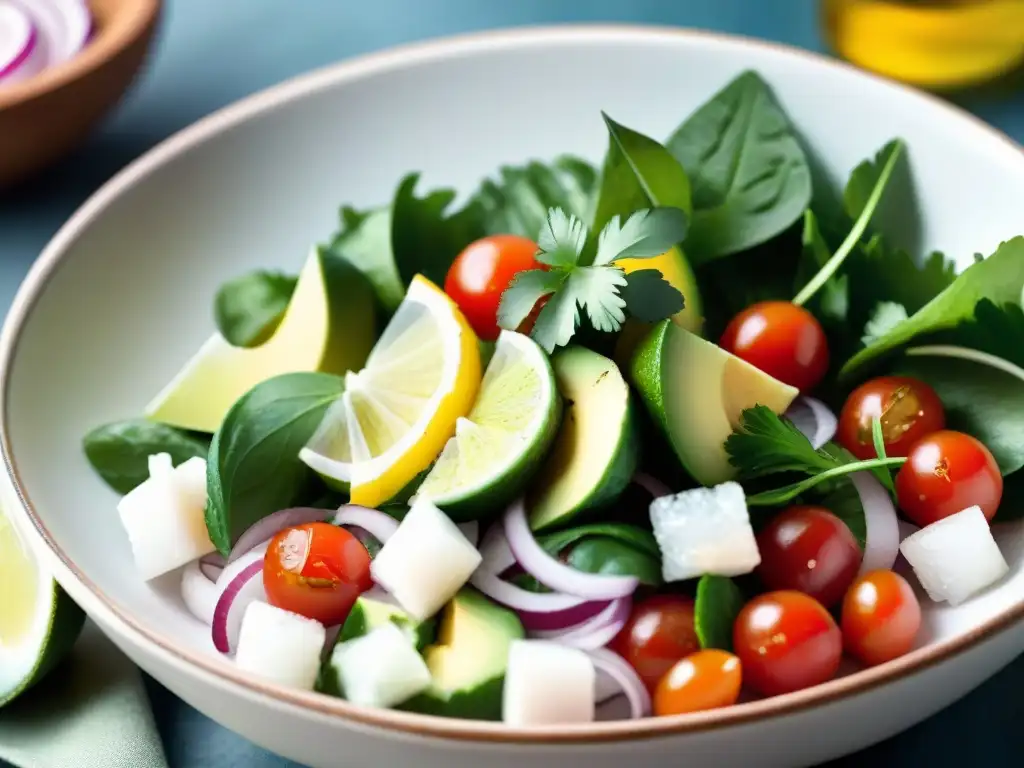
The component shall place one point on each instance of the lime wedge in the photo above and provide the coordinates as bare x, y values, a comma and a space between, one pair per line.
38, 622
499, 445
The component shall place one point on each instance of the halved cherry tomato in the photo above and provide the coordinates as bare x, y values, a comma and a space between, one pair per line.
907, 408
482, 272
783, 340
810, 550
707, 679
881, 617
658, 634
786, 641
947, 472
316, 570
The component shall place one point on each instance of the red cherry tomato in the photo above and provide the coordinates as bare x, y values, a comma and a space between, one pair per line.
881, 617
786, 641
707, 679
947, 472
907, 408
316, 570
783, 340
810, 550
658, 634
482, 272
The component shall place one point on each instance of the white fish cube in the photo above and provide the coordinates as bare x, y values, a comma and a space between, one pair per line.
955, 557
425, 562
548, 684
164, 517
280, 646
380, 669
704, 531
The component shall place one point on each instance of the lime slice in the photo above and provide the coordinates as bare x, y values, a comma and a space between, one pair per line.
500, 444
38, 622
396, 414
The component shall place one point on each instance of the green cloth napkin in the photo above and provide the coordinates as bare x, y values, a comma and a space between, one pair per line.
92, 711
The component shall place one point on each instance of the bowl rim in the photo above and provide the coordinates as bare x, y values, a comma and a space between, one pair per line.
222, 671
144, 14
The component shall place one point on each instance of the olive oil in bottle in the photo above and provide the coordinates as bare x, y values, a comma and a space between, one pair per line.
934, 44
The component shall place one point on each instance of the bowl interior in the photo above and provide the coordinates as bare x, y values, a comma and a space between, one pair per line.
131, 297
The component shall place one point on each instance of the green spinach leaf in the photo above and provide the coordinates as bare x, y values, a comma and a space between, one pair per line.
253, 467
717, 605
120, 451
249, 308
365, 242
638, 538
749, 175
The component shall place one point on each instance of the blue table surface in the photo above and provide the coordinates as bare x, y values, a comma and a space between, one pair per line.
212, 52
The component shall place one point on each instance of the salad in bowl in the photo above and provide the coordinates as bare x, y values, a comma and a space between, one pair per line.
577, 438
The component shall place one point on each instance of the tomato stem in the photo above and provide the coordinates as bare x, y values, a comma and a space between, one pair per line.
789, 492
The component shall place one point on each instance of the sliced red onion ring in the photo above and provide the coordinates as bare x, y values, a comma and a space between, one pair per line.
556, 575
269, 526
378, 524
471, 531
519, 599
212, 565
883, 529
561, 621
611, 665
652, 485
63, 27
595, 632
813, 419
18, 40
198, 592
243, 584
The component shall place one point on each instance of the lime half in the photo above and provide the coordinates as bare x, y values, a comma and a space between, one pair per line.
499, 445
38, 622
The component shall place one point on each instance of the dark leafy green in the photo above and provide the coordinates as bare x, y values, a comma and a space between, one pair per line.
120, 451
607, 548
365, 241
249, 308
840, 497
997, 330
748, 173
649, 297
717, 605
253, 467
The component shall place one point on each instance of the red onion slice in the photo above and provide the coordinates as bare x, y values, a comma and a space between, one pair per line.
597, 631
378, 524
609, 664
556, 575
883, 529
518, 599
813, 419
272, 524
198, 592
212, 565
63, 27
652, 485
561, 621
18, 40
243, 585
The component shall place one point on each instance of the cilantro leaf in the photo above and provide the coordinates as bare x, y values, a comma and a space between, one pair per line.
561, 239
887, 315
650, 297
557, 321
999, 278
646, 233
765, 444
523, 293
596, 289
249, 308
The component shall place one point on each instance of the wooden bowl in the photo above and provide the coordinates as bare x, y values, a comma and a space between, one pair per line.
46, 116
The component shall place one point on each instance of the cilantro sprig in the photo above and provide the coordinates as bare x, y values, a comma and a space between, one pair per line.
599, 286
765, 444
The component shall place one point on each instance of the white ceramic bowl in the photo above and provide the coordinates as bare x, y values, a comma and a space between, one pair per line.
122, 296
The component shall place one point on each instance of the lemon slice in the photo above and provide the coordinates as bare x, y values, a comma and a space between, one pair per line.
396, 414
38, 622
499, 446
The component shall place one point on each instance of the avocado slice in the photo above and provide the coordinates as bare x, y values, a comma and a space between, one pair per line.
596, 449
696, 391
328, 327
469, 660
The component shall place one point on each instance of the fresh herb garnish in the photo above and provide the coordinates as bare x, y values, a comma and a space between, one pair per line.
878, 440
249, 308
572, 282
715, 609
887, 315
120, 451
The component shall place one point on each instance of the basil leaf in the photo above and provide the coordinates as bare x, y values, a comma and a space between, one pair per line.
635, 537
253, 467
748, 173
120, 451
716, 607
249, 308
599, 554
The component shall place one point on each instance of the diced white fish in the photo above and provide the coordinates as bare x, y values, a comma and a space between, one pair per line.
381, 668
548, 684
280, 646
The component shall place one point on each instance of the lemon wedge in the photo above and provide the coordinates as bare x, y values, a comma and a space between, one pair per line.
397, 413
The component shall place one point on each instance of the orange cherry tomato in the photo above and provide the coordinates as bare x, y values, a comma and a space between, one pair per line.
783, 340
707, 679
316, 570
659, 633
947, 472
482, 272
786, 641
881, 617
907, 408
